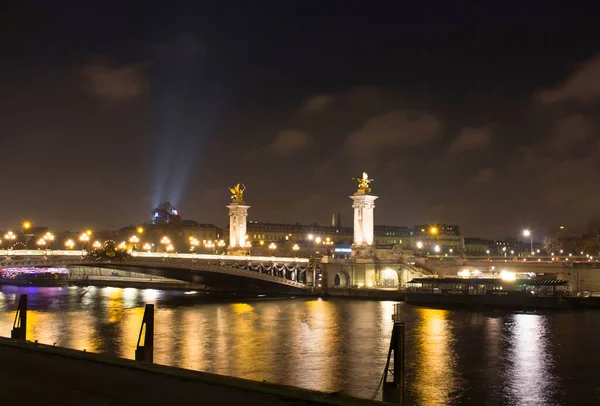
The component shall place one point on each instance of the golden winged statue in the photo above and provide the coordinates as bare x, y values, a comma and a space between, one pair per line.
237, 193
363, 183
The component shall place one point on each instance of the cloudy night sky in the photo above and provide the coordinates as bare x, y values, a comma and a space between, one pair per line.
486, 117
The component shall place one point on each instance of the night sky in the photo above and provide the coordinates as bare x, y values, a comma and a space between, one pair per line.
486, 117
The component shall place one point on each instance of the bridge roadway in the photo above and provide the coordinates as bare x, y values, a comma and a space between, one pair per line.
235, 273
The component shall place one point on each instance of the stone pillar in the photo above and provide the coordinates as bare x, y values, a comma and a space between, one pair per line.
364, 243
237, 226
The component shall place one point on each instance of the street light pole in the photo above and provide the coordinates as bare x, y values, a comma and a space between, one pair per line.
527, 233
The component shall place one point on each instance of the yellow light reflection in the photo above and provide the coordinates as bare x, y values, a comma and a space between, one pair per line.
436, 377
130, 330
240, 308
316, 346
246, 341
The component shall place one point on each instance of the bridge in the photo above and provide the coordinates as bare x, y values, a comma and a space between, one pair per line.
223, 272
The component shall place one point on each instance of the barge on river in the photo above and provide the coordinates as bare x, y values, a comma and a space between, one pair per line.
34, 276
529, 293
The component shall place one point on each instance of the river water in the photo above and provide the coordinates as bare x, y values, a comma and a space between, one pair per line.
453, 357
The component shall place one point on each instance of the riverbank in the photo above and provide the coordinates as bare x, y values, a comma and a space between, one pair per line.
95, 379
366, 293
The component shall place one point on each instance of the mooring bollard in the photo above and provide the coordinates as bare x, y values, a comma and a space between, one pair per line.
19, 331
145, 352
393, 391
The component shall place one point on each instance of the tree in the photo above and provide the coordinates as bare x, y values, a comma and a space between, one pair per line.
165, 213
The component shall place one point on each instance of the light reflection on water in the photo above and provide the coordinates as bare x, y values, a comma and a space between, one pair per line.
452, 357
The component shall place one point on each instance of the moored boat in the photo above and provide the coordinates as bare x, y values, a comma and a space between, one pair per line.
526, 293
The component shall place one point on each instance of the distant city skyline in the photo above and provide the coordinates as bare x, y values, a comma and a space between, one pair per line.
484, 116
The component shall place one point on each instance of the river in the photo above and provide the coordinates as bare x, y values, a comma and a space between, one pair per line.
453, 357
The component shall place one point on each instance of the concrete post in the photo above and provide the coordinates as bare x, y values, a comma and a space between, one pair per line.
238, 214
145, 352
363, 245
19, 331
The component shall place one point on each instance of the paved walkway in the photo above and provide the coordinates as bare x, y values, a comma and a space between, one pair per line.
51, 376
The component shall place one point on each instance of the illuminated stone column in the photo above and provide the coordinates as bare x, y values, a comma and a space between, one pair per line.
237, 225
363, 205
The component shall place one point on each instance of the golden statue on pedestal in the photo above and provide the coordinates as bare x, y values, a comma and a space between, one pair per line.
363, 184
237, 193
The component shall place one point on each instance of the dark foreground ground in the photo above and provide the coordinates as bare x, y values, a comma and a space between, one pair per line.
33, 374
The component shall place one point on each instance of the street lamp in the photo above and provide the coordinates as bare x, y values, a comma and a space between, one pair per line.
84, 238
420, 245
437, 249
272, 246
48, 237
147, 247
527, 233
134, 240
170, 248
26, 226
10, 236
296, 247
69, 244
41, 242
140, 230
97, 244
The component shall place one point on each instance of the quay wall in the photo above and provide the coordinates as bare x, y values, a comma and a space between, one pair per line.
88, 378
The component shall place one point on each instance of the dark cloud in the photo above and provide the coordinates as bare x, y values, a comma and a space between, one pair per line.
289, 142
484, 175
572, 130
392, 130
316, 103
471, 138
106, 79
583, 85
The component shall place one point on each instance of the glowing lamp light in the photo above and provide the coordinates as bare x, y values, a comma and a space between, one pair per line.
97, 244
420, 245
508, 276
26, 225
310, 237
465, 273
526, 233
147, 247
437, 248
433, 230
69, 244
295, 247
